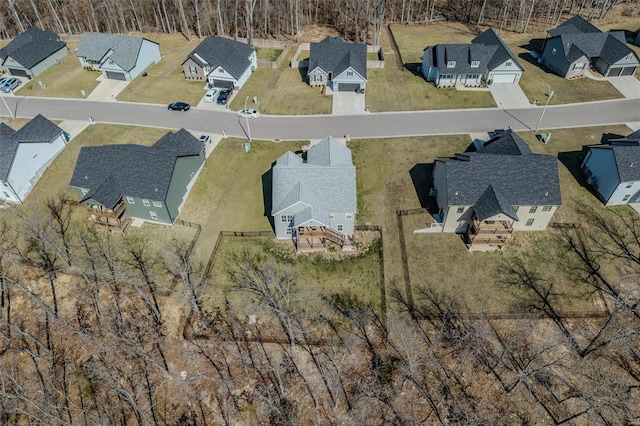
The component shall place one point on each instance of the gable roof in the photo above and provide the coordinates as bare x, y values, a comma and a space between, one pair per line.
216, 51
94, 46
516, 177
626, 156
487, 48
38, 129
32, 47
325, 183
491, 204
574, 25
334, 55
507, 143
113, 171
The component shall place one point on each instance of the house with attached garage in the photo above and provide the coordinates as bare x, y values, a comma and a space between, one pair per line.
613, 170
118, 183
118, 57
32, 52
501, 187
314, 197
486, 60
222, 62
25, 154
340, 66
576, 44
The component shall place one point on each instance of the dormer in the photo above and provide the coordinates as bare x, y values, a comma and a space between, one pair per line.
475, 64
451, 64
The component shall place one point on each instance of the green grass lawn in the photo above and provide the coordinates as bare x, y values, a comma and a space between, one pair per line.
165, 81
267, 54
64, 80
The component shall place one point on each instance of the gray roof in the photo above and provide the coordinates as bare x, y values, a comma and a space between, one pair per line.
32, 47
334, 55
574, 25
627, 160
326, 182
491, 204
94, 46
487, 48
39, 129
231, 55
507, 143
515, 179
113, 171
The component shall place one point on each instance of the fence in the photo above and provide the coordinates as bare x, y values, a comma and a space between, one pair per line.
395, 47
295, 63
375, 63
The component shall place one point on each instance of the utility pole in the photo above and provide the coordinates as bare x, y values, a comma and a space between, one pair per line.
550, 95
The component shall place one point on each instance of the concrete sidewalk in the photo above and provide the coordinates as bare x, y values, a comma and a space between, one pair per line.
629, 86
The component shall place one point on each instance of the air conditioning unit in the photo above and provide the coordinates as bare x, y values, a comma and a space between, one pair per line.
433, 192
592, 180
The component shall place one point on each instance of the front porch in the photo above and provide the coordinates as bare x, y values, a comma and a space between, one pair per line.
111, 220
486, 235
311, 239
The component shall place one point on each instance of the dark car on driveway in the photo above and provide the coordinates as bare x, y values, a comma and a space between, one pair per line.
224, 96
179, 106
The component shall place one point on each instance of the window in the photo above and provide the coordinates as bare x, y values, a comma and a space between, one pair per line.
529, 222
193, 70
130, 200
546, 209
473, 76
220, 70
146, 203
626, 197
6, 194
579, 66
348, 216
629, 185
153, 215
533, 209
629, 57
475, 64
84, 191
340, 227
508, 64
286, 218
157, 204
451, 64
460, 210
317, 78
349, 73
288, 230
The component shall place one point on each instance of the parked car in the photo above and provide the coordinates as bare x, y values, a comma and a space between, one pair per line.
249, 113
205, 139
10, 84
179, 106
210, 96
224, 96
3, 79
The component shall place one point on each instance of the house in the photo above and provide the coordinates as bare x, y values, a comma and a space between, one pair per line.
338, 65
613, 170
488, 194
486, 60
118, 57
314, 197
118, 183
637, 39
32, 52
575, 45
223, 62
25, 154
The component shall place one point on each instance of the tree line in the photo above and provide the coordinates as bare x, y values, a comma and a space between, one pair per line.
355, 20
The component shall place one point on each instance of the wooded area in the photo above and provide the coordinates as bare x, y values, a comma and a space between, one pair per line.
356, 20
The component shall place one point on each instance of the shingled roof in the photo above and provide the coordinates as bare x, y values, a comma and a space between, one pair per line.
113, 171
502, 175
94, 46
231, 55
325, 183
334, 55
32, 47
39, 129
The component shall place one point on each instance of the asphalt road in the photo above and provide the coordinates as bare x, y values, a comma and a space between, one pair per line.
417, 123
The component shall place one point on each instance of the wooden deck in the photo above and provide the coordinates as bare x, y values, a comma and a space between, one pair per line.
311, 239
111, 220
488, 234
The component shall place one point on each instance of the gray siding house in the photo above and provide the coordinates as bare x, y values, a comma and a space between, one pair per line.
150, 183
488, 194
118, 57
314, 199
32, 52
25, 154
576, 44
486, 60
223, 62
612, 170
338, 65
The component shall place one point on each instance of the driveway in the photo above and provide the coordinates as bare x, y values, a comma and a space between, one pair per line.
347, 103
629, 86
509, 96
107, 90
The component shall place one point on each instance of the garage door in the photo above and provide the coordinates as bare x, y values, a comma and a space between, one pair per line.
503, 78
17, 72
223, 84
628, 70
614, 72
116, 75
348, 87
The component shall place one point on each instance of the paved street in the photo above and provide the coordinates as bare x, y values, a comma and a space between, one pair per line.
373, 125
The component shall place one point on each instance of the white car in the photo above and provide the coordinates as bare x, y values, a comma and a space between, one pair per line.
210, 96
249, 113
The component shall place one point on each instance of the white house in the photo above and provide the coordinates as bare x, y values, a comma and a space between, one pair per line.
118, 57
613, 170
25, 155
